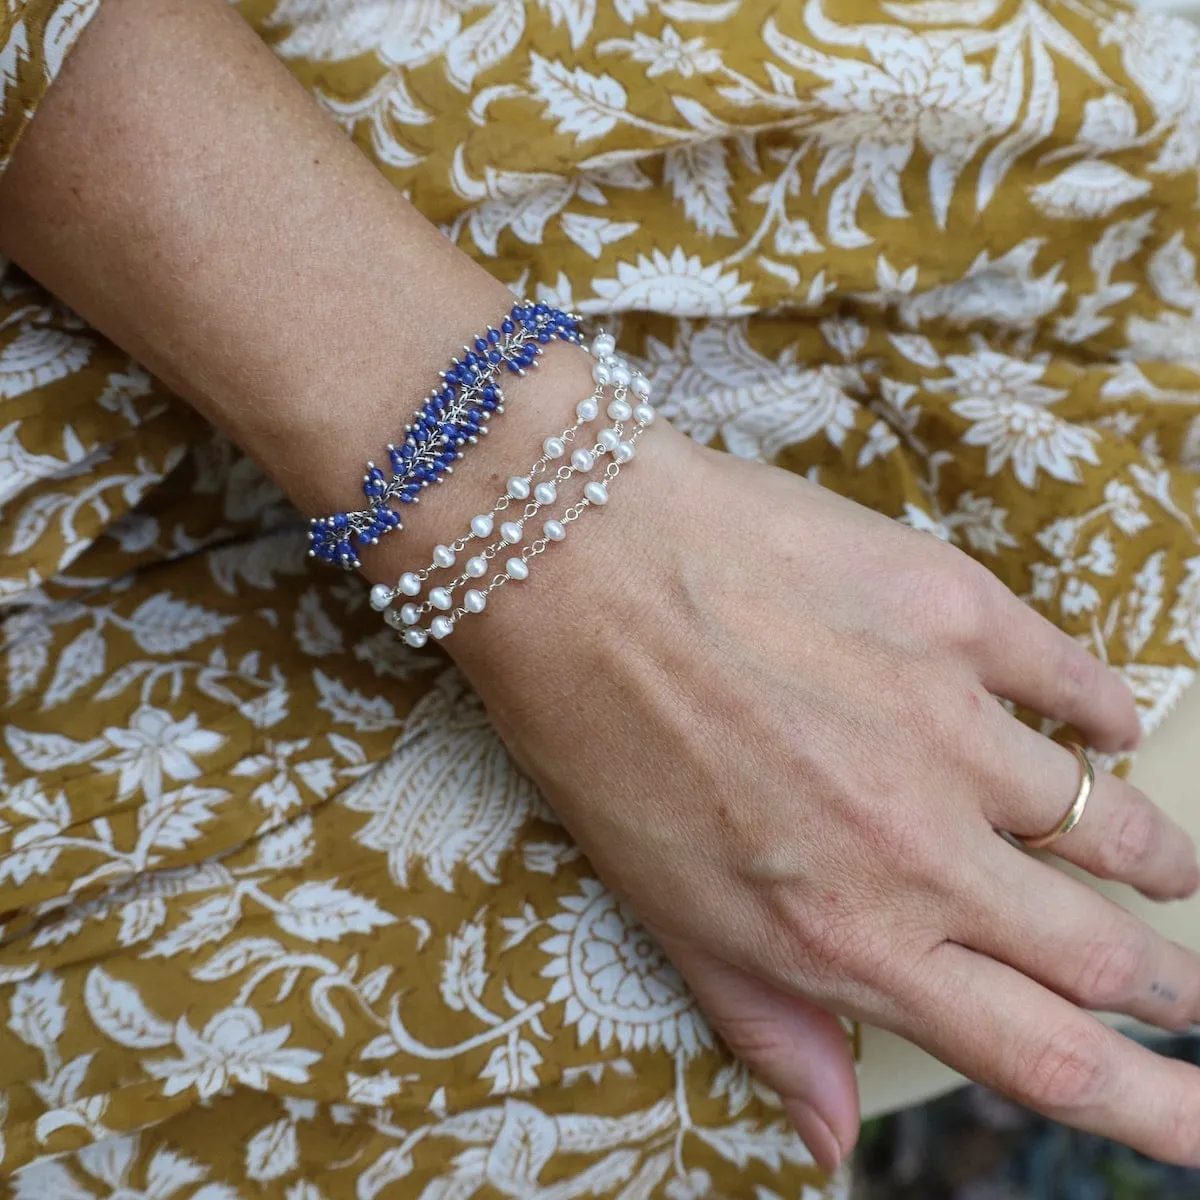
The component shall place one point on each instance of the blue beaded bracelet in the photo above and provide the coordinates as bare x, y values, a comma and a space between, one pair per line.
453, 417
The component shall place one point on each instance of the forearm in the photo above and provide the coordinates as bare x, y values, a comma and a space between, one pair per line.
185, 195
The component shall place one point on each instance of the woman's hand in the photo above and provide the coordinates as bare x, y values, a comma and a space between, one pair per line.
770, 718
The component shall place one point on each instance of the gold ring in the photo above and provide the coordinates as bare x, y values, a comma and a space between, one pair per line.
1075, 812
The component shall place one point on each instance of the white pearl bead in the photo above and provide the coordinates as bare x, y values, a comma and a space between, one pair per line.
622, 376
410, 614
586, 410
440, 598
596, 492
602, 374
392, 617
441, 627
474, 601
582, 460
545, 493
603, 344
476, 566
518, 487
554, 447
416, 637
515, 568
381, 597
555, 530
640, 386
644, 414
443, 556
410, 585
482, 525
608, 439
620, 410
623, 453
510, 531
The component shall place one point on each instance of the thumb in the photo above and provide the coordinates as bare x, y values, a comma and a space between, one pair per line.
789, 1042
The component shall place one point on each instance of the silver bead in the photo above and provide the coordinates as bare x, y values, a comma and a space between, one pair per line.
482, 525
510, 531
516, 568
554, 447
623, 453
608, 439
620, 410
518, 487
441, 627
381, 596
644, 414
410, 585
440, 598
474, 601
595, 492
410, 614
582, 459
443, 556
476, 566
416, 637
545, 493
602, 374
586, 410
603, 344
554, 530
392, 617
640, 386
622, 376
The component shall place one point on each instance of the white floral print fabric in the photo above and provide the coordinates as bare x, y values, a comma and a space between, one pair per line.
280, 915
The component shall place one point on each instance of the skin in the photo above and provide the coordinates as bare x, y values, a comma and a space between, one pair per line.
784, 746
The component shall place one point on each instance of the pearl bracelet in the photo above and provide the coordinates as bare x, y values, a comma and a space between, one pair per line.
454, 415
609, 371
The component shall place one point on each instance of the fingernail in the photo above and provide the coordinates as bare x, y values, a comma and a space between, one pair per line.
817, 1135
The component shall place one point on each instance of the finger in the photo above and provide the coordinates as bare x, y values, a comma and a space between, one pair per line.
1076, 942
1122, 834
996, 1026
1029, 660
794, 1046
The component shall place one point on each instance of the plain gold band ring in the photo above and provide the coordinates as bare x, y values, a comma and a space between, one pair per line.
1075, 812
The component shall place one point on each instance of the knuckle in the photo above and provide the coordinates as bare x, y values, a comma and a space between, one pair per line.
1074, 676
1065, 1070
966, 604
1109, 972
1130, 838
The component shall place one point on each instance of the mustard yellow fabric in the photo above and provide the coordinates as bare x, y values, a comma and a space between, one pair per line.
280, 917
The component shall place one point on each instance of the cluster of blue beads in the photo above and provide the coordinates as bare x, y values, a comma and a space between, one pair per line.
454, 416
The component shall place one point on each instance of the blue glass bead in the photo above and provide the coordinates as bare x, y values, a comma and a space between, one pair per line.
543, 337
490, 405
481, 344
515, 368
494, 356
493, 336
470, 360
470, 429
541, 309
507, 325
473, 413
489, 392
339, 520
448, 457
343, 547
448, 430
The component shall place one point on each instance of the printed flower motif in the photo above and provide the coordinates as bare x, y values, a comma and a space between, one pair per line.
280, 792
616, 980
1125, 507
1011, 416
154, 745
232, 1049
1065, 577
668, 53
680, 284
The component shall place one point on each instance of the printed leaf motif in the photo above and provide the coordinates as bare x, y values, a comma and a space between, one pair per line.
164, 625
592, 234
316, 632
366, 714
212, 920
464, 972
273, 1151
118, 1012
36, 1012
319, 911
580, 103
80, 662
1089, 189
747, 1141
512, 1067
48, 751
1109, 122
699, 178
486, 43
236, 957
578, 15
35, 519
524, 1145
